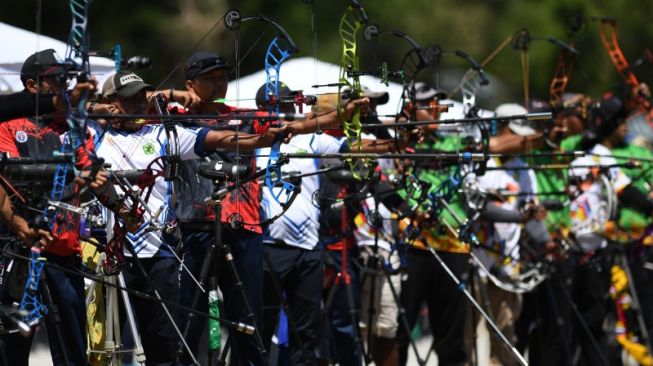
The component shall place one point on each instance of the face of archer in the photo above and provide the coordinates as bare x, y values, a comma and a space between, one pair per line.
569, 125
47, 84
136, 104
210, 85
620, 133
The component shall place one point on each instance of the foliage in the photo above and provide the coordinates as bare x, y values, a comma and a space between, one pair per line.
167, 31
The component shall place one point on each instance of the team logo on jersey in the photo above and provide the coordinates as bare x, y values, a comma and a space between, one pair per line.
148, 148
21, 136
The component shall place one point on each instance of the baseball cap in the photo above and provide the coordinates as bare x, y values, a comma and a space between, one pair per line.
42, 63
424, 91
520, 127
108, 88
203, 61
381, 97
124, 84
611, 112
260, 94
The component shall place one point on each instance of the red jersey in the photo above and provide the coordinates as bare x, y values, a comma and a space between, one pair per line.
242, 204
24, 138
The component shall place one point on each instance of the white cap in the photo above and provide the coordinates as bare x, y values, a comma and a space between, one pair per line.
519, 126
579, 168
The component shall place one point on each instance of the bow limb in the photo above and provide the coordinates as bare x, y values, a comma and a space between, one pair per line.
560, 79
280, 49
350, 23
76, 59
30, 301
415, 60
608, 32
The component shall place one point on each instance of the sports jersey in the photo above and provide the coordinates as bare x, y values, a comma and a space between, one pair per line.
525, 178
136, 150
24, 138
633, 222
502, 236
299, 226
438, 235
193, 190
589, 209
553, 180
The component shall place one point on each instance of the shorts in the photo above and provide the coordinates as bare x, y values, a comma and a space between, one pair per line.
385, 306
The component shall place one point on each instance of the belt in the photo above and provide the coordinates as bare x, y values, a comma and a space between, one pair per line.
272, 241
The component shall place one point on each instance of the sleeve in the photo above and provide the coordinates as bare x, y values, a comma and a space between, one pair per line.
326, 144
7, 144
191, 142
262, 158
83, 157
619, 179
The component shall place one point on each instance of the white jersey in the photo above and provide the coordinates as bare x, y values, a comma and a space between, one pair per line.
503, 233
524, 177
299, 226
590, 211
129, 151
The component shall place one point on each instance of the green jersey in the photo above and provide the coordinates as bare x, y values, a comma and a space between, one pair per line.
631, 221
439, 236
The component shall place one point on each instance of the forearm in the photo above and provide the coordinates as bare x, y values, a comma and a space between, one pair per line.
7, 215
379, 146
230, 140
511, 144
108, 197
314, 122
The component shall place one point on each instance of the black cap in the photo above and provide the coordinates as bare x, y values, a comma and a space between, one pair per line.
425, 91
611, 112
203, 61
42, 63
124, 84
260, 94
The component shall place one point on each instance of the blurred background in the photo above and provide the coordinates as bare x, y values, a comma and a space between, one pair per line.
168, 31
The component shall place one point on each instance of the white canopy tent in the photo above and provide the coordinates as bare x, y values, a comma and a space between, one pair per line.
303, 73
20, 43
